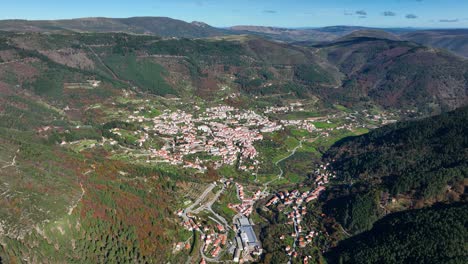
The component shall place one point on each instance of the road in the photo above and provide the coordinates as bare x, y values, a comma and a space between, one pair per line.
281, 170
199, 200
287, 157
73, 206
207, 206
210, 203
296, 230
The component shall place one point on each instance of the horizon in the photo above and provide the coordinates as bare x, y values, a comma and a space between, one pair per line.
241, 25
425, 14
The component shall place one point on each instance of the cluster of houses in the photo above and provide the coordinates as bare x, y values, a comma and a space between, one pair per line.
190, 223
301, 124
214, 243
220, 131
246, 206
293, 107
296, 197
296, 201
214, 238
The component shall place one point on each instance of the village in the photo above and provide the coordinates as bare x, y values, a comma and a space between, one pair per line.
222, 131
224, 135
294, 206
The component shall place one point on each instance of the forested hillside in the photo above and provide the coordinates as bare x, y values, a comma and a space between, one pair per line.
400, 166
455, 40
355, 72
422, 156
398, 74
431, 235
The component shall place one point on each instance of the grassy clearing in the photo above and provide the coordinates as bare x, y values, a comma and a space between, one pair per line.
324, 125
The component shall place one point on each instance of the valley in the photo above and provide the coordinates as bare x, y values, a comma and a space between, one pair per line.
217, 146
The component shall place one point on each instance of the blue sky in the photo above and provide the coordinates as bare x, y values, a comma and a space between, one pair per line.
284, 13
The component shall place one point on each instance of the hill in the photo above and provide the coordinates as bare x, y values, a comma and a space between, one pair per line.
454, 40
159, 26
431, 235
287, 34
369, 33
61, 203
316, 35
353, 72
388, 155
398, 74
396, 167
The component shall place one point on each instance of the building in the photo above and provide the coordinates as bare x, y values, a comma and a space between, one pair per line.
247, 233
248, 236
243, 221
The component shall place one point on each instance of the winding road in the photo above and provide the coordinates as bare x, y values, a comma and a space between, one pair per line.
199, 200
280, 175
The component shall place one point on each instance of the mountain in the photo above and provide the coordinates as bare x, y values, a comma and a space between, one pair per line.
168, 27
286, 34
397, 73
454, 40
316, 35
160, 26
421, 161
431, 235
369, 33
352, 71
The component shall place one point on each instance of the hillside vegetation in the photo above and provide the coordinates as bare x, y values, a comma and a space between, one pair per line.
454, 40
432, 235
422, 156
353, 72
398, 74
397, 167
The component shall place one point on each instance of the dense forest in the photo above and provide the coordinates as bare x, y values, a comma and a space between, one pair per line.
422, 156
356, 211
432, 235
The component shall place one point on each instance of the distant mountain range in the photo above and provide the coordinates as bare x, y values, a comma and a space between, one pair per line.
160, 26
455, 40
346, 65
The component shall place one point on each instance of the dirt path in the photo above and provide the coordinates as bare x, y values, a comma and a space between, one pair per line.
83, 191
